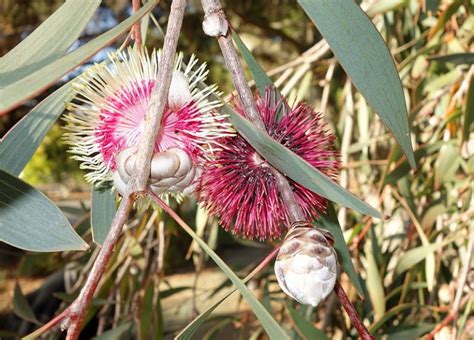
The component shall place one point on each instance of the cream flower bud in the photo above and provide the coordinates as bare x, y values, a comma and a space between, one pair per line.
306, 265
179, 93
215, 25
119, 184
126, 162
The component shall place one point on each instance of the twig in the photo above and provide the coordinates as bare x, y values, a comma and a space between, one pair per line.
78, 309
232, 61
350, 310
187, 228
137, 34
159, 97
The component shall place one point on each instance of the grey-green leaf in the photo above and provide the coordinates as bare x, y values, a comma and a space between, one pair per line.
102, 212
258, 74
469, 113
272, 328
29, 220
29, 86
361, 51
305, 327
329, 221
20, 143
21, 307
297, 168
48, 42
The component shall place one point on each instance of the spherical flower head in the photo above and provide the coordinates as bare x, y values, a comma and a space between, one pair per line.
238, 186
107, 114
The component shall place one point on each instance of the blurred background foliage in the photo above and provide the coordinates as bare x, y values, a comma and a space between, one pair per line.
158, 280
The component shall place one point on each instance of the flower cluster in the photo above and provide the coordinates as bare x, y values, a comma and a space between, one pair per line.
195, 146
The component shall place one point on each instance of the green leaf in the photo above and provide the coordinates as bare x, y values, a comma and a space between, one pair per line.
295, 167
410, 332
414, 256
29, 220
455, 58
48, 42
469, 113
271, 327
258, 74
102, 212
31, 85
329, 222
20, 143
361, 51
305, 327
374, 282
21, 307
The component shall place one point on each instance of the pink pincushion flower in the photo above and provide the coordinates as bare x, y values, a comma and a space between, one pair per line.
238, 186
108, 112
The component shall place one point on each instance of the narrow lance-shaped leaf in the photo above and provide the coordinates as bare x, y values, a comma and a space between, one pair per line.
329, 221
258, 74
469, 114
360, 49
305, 327
272, 328
102, 213
48, 42
293, 166
29, 220
20, 143
29, 86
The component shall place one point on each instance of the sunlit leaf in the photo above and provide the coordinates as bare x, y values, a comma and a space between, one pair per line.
29, 220
29, 86
362, 53
48, 42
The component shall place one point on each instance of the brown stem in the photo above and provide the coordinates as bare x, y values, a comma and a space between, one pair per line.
213, 7
137, 33
48, 326
350, 310
78, 309
246, 98
138, 182
159, 96
187, 228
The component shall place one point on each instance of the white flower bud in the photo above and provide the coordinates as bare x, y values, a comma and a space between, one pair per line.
215, 25
179, 93
125, 161
119, 184
306, 265
164, 164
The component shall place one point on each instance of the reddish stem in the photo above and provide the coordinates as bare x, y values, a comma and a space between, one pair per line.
352, 313
137, 34
50, 325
